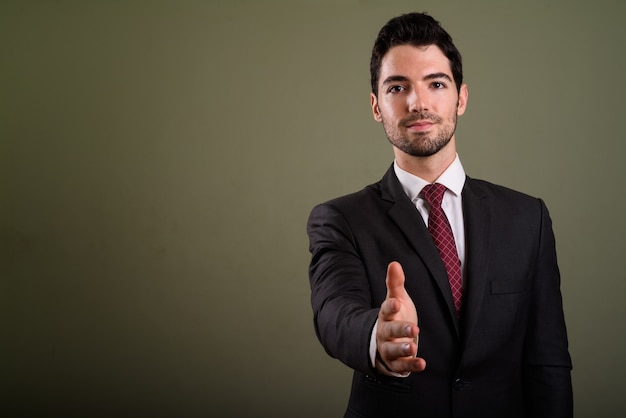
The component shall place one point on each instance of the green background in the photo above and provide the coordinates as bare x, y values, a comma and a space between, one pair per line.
159, 159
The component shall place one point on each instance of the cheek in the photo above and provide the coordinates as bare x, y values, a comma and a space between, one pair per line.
392, 110
454, 112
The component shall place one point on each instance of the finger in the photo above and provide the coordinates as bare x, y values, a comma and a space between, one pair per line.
408, 365
395, 280
391, 351
397, 329
389, 308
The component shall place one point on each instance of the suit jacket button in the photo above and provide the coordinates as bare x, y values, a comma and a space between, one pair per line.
459, 384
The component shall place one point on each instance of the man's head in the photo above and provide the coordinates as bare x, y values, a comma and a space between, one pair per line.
416, 29
417, 88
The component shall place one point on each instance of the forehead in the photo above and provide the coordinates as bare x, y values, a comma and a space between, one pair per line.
410, 60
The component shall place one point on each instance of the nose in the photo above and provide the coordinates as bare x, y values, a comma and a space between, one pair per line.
417, 101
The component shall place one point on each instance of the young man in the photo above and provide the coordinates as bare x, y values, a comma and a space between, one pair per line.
492, 338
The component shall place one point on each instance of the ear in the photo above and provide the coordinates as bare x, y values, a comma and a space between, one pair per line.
375, 108
463, 95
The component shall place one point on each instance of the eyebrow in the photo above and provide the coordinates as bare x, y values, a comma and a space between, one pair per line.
437, 75
401, 78
395, 79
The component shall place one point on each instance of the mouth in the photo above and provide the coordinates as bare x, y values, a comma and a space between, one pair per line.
420, 125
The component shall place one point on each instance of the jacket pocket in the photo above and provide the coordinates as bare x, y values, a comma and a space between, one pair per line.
500, 287
393, 384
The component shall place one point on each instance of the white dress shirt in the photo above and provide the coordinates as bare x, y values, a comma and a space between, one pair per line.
454, 180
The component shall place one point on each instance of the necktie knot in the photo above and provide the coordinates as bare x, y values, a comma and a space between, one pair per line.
433, 193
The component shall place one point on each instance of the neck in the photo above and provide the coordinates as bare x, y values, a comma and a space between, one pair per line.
428, 168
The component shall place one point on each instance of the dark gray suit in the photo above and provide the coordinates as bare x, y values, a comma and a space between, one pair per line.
507, 357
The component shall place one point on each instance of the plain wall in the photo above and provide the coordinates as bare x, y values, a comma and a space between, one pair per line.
159, 159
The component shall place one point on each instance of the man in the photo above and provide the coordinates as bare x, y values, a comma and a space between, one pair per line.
487, 309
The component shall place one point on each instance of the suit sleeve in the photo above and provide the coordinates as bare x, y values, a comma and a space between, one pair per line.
340, 295
547, 364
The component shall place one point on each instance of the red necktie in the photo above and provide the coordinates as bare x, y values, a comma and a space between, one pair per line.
441, 232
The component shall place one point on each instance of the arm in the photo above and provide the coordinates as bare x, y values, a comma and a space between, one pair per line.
344, 315
547, 364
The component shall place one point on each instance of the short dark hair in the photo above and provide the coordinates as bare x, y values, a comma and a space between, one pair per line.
417, 29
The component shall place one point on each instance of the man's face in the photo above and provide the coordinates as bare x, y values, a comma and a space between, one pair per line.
417, 101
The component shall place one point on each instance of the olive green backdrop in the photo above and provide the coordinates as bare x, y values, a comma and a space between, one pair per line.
158, 161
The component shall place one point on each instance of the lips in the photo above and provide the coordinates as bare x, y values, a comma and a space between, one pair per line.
420, 121
420, 125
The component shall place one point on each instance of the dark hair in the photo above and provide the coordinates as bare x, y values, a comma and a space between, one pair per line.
417, 29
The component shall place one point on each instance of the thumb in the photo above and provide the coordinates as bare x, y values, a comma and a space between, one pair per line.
395, 280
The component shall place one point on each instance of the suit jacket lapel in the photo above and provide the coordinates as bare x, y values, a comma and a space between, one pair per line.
404, 213
476, 212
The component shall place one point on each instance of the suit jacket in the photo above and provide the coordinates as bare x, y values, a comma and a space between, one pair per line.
506, 357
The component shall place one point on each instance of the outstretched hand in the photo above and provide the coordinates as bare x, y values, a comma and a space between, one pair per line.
397, 330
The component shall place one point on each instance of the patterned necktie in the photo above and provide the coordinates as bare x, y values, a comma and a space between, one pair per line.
441, 232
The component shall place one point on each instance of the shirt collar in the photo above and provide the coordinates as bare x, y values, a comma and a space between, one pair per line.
453, 178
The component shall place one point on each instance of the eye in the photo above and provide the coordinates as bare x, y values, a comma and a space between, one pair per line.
438, 85
395, 89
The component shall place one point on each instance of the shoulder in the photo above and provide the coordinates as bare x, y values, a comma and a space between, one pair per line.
485, 189
350, 205
379, 195
504, 200
368, 193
